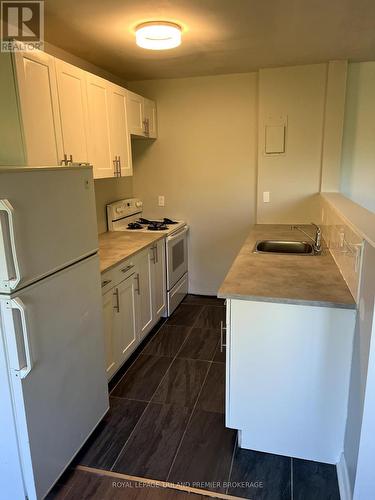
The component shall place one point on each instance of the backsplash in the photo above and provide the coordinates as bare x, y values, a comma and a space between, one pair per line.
107, 191
344, 244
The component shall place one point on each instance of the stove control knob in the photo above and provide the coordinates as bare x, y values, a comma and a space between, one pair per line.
138, 203
119, 210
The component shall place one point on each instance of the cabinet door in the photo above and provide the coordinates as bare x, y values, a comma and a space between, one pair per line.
120, 138
144, 291
149, 116
135, 114
99, 127
159, 279
71, 85
37, 89
126, 330
109, 316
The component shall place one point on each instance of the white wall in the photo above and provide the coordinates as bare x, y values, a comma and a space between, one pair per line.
365, 480
107, 191
298, 94
358, 154
204, 163
360, 361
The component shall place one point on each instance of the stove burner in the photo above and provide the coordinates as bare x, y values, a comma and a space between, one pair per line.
144, 221
169, 221
156, 226
134, 225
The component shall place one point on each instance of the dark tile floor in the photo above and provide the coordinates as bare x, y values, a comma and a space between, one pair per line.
166, 423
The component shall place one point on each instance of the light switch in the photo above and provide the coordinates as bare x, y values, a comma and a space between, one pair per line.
275, 139
161, 201
266, 196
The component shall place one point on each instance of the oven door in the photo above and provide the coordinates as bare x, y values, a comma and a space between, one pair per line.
177, 259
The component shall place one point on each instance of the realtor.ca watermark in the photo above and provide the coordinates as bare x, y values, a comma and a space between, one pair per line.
22, 26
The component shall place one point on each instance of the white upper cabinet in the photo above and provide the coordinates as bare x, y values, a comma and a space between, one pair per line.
39, 107
71, 85
135, 114
119, 136
142, 119
149, 118
61, 114
100, 155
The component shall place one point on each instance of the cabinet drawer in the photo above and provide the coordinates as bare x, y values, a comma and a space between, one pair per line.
114, 276
108, 280
124, 270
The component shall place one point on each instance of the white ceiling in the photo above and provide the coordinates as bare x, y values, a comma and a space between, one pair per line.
220, 36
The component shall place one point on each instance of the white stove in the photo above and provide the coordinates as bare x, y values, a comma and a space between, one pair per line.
127, 215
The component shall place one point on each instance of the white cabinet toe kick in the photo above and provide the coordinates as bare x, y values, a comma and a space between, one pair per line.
287, 379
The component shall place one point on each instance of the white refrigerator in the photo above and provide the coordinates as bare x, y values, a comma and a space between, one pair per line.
53, 386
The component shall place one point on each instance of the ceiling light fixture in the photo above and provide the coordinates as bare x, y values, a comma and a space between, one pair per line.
158, 35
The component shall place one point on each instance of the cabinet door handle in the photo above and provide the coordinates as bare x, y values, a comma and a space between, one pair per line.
127, 268
222, 330
157, 254
117, 306
138, 289
65, 160
106, 282
119, 166
152, 257
70, 160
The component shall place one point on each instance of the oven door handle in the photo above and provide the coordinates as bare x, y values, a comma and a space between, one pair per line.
177, 235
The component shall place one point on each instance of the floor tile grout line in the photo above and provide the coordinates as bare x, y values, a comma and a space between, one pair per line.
130, 399
232, 462
135, 359
161, 381
291, 479
188, 422
196, 401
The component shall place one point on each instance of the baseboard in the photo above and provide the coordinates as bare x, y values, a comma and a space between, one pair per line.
343, 479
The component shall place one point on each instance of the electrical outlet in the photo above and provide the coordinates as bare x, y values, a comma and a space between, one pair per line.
161, 201
266, 196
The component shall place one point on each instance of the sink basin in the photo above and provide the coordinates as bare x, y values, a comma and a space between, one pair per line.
284, 247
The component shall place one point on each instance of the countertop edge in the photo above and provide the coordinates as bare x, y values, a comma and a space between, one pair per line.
282, 300
118, 262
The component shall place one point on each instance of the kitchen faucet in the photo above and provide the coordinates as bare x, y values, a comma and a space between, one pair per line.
318, 236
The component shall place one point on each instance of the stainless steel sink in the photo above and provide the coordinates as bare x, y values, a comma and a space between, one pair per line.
284, 247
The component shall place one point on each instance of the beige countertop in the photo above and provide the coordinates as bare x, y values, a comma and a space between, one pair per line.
291, 279
116, 246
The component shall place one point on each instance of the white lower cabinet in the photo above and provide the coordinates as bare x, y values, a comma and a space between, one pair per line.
126, 318
120, 323
109, 316
158, 278
134, 299
145, 295
287, 378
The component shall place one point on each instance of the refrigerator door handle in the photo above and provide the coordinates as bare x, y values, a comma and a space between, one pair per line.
20, 306
9, 269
